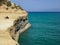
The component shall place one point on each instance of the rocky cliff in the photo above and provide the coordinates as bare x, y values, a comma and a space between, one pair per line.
13, 21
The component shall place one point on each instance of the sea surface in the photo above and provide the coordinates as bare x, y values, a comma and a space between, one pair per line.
44, 30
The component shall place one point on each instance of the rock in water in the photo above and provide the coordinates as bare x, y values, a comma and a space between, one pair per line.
13, 21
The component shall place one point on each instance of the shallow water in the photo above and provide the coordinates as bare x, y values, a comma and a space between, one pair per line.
45, 29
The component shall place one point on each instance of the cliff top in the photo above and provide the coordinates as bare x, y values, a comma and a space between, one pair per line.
7, 6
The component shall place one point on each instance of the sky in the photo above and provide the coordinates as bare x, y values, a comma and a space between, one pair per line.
39, 5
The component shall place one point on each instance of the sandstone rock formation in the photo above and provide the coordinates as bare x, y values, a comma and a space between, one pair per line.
13, 21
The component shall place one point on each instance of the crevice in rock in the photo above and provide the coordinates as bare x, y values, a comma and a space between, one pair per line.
19, 24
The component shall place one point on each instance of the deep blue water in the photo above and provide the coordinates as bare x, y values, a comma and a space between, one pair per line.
45, 29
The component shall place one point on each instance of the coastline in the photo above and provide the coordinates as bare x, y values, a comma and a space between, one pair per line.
21, 31
13, 22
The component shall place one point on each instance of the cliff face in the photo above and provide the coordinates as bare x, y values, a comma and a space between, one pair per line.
20, 25
13, 21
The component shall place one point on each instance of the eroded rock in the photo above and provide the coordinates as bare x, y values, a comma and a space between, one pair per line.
13, 21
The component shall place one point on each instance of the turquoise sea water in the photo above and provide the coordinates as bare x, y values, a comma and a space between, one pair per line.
45, 29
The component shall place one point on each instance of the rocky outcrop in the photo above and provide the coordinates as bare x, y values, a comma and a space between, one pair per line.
18, 27
13, 21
